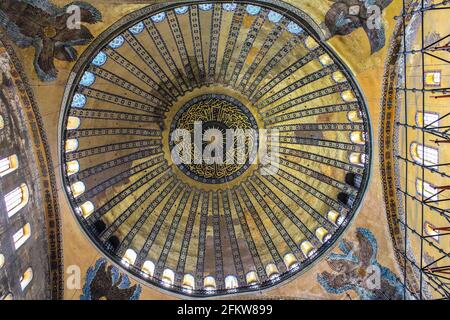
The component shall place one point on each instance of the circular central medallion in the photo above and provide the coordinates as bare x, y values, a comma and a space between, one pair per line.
215, 138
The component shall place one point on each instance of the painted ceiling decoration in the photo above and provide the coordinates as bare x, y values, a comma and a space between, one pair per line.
346, 16
44, 26
357, 269
213, 229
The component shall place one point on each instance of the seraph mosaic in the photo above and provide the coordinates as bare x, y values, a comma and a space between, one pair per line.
106, 282
47, 28
358, 270
345, 16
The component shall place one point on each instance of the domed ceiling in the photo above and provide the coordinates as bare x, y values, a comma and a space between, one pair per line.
205, 227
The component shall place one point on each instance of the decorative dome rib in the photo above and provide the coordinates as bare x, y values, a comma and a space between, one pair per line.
214, 229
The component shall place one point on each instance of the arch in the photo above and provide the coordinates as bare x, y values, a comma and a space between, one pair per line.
231, 282
252, 278
338, 77
26, 278
272, 271
357, 158
21, 236
73, 123
87, 209
209, 283
353, 179
433, 78
346, 199
129, 258
348, 96
290, 261
8, 165
322, 234
326, 60
72, 167
423, 154
113, 243
335, 217
188, 282
17, 199
168, 277
354, 116
430, 119
307, 248
78, 188
148, 268
429, 191
2, 122
71, 145
357, 137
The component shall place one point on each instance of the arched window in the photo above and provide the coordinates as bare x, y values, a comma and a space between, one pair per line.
348, 96
16, 199
430, 230
325, 60
252, 278
354, 116
209, 283
358, 137
87, 209
429, 191
231, 282
77, 188
168, 277
311, 43
433, 78
357, 158
71, 145
73, 123
9, 296
21, 236
427, 119
307, 248
148, 268
346, 199
424, 155
26, 278
8, 165
272, 271
2, 261
188, 282
290, 261
72, 167
335, 217
2, 122
338, 77
129, 257
322, 234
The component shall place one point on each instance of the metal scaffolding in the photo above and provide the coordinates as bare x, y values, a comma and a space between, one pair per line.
427, 257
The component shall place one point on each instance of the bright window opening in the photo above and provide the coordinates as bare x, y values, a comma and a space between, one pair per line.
21, 236
148, 268
129, 258
429, 191
427, 119
231, 282
16, 199
26, 278
8, 165
424, 155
